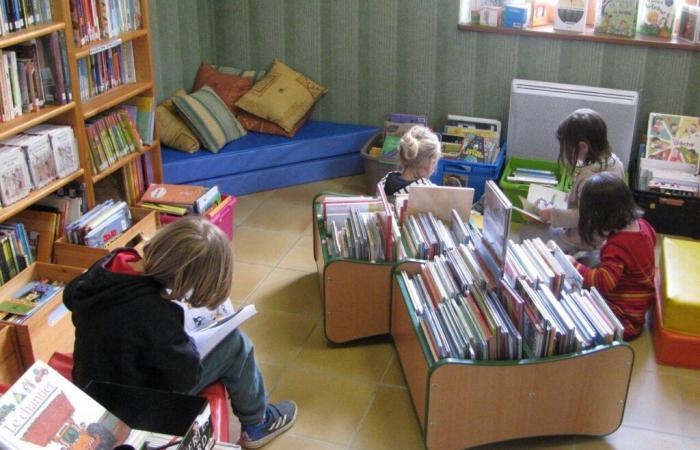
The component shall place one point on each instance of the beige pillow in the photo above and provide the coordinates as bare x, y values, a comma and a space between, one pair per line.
173, 131
283, 96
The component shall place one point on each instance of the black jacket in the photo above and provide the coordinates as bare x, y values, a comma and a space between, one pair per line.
126, 333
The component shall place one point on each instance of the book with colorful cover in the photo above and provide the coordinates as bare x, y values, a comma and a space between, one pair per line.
173, 194
689, 26
617, 17
44, 411
656, 18
30, 297
673, 138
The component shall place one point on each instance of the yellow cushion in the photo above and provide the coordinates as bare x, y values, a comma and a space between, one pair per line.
172, 130
681, 286
283, 96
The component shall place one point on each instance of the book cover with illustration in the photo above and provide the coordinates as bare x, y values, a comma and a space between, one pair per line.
30, 297
689, 26
673, 138
617, 17
656, 18
43, 410
570, 15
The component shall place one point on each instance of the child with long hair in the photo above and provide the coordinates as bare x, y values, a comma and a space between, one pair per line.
419, 152
625, 275
583, 151
128, 329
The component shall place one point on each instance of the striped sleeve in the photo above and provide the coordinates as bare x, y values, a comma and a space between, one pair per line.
604, 277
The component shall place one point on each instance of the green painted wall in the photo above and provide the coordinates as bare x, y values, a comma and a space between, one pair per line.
379, 56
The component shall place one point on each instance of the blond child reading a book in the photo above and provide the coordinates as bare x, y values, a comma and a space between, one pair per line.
583, 151
129, 329
419, 152
625, 275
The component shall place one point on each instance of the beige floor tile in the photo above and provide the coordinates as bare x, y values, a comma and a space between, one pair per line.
245, 279
280, 215
366, 361
654, 402
390, 423
305, 193
301, 256
691, 443
628, 438
644, 357
330, 409
271, 374
537, 443
690, 399
260, 246
246, 204
278, 336
289, 291
289, 441
394, 374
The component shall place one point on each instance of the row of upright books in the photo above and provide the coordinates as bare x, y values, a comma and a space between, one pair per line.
106, 67
15, 253
32, 74
111, 137
16, 15
102, 19
471, 139
102, 224
34, 158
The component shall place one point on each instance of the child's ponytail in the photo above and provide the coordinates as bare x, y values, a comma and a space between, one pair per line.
418, 146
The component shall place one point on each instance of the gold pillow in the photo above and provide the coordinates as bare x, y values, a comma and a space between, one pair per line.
173, 131
283, 96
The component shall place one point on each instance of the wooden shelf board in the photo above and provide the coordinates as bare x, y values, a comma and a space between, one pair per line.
31, 32
82, 52
9, 211
112, 98
28, 120
548, 32
123, 162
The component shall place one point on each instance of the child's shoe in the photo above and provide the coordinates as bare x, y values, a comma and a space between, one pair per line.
279, 417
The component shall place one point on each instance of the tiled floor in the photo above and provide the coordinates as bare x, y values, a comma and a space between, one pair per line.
354, 396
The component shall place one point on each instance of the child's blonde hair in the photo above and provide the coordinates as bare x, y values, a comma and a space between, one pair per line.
193, 260
418, 146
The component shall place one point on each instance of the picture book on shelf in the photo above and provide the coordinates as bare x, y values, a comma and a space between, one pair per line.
570, 15
673, 138
30, 297
656, 18
44, 411
15, 181
617, 17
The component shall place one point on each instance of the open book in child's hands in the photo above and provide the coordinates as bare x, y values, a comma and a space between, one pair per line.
208, 327
541, 197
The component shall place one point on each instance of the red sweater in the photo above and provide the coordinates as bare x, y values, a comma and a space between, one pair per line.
625, 276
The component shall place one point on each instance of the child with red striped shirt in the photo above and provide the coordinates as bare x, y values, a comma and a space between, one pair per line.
625, 276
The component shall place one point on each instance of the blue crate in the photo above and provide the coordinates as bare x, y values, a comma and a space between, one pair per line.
469, 174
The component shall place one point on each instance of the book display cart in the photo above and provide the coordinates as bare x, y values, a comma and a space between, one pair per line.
50, 329
356, 294
464, 403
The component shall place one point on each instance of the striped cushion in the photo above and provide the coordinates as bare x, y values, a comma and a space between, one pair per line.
209, 118
256, 75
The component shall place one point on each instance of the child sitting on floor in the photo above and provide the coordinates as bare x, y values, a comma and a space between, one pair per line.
129, 331
625, 276
419, 153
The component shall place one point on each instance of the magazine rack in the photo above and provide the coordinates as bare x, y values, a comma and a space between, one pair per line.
464, 403
356, 294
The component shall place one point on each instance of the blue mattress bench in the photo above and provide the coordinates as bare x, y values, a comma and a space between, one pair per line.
259, 162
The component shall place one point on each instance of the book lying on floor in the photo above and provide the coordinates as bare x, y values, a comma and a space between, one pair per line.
208, 327
43, 410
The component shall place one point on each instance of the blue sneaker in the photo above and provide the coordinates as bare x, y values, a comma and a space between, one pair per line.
279, 417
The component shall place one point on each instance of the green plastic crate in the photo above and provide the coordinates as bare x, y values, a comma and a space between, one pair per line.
515, 190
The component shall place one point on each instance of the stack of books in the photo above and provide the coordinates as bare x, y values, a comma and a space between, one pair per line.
180, 200
34, 158
471, 139
99, 226
103, 19
111, 137
540, 176
108, 66
18, 15
32, 74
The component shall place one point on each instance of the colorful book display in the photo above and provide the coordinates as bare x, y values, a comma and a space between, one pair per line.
673, 138
689, 26
570, 15
656, 18
616, 17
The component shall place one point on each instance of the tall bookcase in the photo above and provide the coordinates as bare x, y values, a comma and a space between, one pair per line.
51, 330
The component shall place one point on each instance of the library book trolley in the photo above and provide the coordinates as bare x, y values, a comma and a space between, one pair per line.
465, 403
356, 294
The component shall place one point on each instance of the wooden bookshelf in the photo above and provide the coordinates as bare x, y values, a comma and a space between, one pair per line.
31, 32
34, 196
28, 120
82, 52
123, 162
112, 98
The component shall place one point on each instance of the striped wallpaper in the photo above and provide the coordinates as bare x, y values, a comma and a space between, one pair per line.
379, 56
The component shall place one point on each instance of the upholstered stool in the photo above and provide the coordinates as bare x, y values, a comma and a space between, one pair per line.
215, 393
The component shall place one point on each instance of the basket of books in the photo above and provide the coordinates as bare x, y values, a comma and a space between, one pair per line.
375, 168
174, 201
